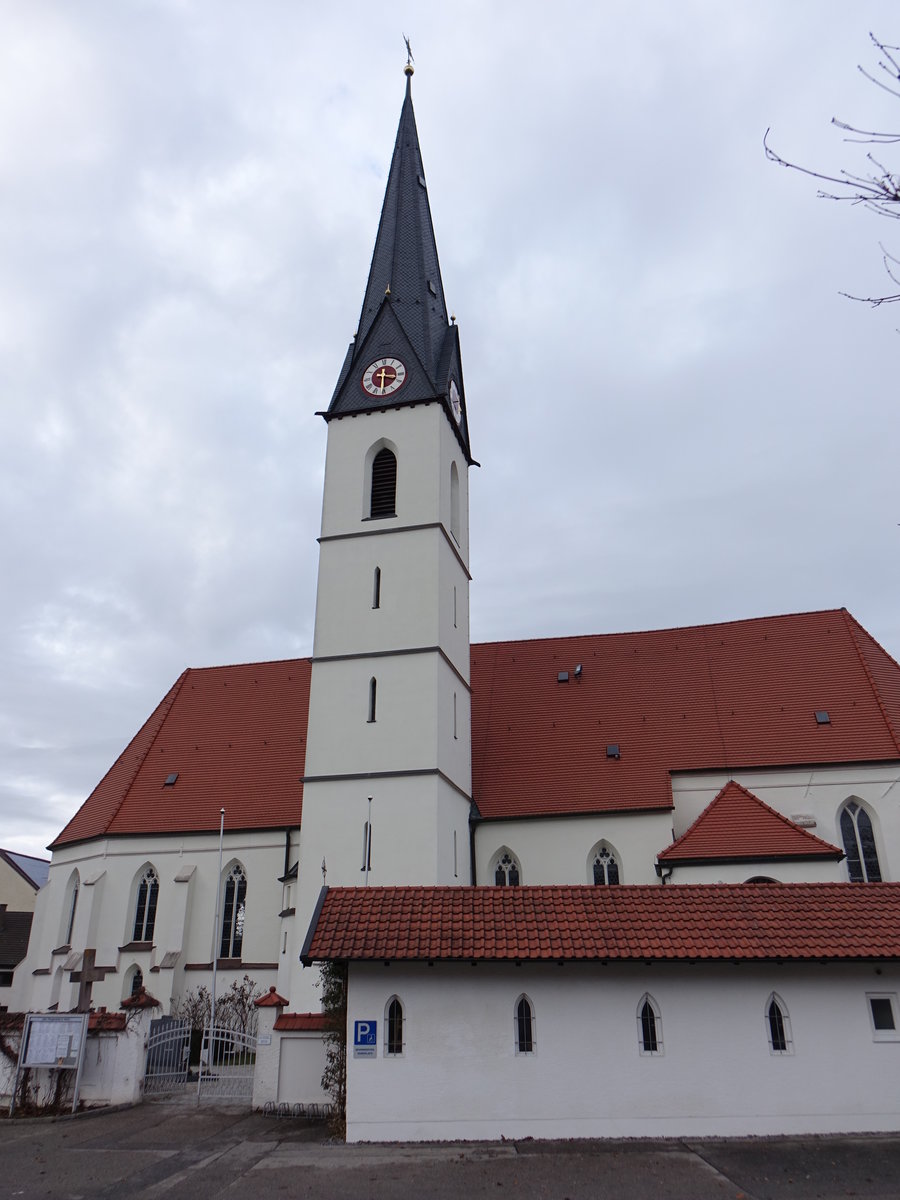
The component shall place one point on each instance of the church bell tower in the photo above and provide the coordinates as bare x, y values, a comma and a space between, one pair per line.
387, 782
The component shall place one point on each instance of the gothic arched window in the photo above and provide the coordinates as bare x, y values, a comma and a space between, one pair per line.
524, 1019
778, 1026
233, 913
454, 501
859, 844
507, 872
70, 906
649, 1022
145, 906
393, 1027
383, 496
604, 865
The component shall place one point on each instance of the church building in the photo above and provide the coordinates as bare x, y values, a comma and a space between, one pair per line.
605, 885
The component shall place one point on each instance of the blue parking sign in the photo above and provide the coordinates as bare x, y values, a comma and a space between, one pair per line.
365, 1039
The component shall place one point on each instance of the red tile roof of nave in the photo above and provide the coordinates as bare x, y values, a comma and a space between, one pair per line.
235, 735
641, 922
738, 825
737, 694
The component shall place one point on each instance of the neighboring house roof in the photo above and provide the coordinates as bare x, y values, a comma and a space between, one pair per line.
15, 928
235, 737
303, 1022
34, 870
738, 827
742, 694
639, 923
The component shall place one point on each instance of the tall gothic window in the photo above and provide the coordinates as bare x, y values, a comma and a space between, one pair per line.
649, 1026
72, 907
605, 866
393, 1025
233, 913
145, 906
778, 1026
383, 497
506, 870
859, 844
524, 1017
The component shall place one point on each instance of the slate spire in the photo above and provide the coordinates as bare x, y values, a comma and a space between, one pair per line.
404, 314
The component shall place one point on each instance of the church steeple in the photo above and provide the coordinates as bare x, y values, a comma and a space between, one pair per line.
404, 332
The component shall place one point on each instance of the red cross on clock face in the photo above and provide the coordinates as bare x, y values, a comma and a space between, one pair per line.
384, 376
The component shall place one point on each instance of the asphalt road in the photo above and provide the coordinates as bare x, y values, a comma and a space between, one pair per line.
160, 1150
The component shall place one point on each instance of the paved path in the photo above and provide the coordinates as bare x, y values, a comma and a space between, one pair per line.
161, 1151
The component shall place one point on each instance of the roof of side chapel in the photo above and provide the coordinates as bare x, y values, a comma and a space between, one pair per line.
738, 826
742, 694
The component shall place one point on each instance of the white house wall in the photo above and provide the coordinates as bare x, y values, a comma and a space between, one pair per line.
459, 1075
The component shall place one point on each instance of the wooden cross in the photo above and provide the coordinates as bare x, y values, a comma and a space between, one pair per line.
89, 974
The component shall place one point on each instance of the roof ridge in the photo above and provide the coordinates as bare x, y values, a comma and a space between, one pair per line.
574, 637
852, 626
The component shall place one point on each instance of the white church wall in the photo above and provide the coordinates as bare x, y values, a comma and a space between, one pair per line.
460, 1077
816, 792
557, 850
185, 914
812, 871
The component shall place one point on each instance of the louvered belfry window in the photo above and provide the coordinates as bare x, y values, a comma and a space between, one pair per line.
384, 484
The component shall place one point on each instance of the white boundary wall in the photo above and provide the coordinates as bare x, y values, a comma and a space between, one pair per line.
460, 1077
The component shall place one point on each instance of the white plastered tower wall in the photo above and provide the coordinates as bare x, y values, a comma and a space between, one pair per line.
412, 639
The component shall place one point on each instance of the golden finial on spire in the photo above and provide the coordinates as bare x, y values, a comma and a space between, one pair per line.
409, 69
387, 290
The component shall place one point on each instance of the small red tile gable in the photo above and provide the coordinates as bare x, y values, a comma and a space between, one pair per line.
737, 825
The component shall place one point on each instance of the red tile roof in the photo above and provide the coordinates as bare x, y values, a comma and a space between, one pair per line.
236, 737
315, 1022
738, 826
739, 694
645, 922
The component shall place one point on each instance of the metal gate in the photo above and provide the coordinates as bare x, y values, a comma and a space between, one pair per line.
227, 1063
168, 1054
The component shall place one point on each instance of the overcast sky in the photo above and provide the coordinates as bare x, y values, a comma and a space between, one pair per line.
678, 417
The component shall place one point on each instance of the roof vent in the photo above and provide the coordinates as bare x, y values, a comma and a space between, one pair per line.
612, 750
432, 288
421, 180
562, 677
578, 670
822, 717
170, 779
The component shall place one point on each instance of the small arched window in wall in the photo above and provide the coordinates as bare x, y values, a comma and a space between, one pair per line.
145, 906
506, 870
383, 496
233, 913
778, 1025
859, 844
137, 981
393, 1028
376, 588
454, 502
524, 1023
373, 696
604, 865
649, 1024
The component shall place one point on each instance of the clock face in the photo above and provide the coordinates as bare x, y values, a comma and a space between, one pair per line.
455, 402
384, 376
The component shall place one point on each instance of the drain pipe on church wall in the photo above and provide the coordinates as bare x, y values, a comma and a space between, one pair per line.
215, 948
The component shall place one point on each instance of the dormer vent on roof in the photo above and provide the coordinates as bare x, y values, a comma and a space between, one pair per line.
613, 751
822, 717
171, 779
